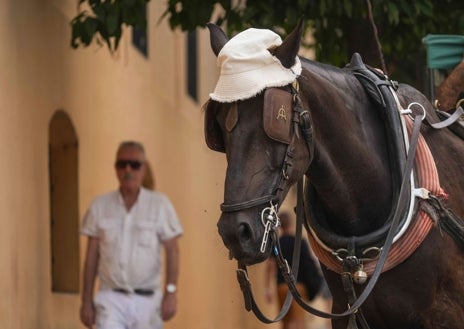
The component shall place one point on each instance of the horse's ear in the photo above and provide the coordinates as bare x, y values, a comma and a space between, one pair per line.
217, 38
289, 48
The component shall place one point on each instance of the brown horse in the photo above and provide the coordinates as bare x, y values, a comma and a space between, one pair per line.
351, 187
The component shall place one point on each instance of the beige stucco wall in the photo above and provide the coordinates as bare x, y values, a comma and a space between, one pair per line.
109, 99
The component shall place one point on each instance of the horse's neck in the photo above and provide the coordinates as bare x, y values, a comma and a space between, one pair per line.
350, 172
355, 197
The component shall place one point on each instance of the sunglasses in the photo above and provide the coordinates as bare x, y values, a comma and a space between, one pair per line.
134, 164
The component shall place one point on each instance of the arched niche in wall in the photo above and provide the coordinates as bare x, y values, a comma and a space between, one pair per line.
64, 212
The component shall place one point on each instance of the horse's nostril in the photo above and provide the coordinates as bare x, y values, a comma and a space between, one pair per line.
244, 233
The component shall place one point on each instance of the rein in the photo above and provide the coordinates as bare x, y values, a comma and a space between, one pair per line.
301, 123
287, 272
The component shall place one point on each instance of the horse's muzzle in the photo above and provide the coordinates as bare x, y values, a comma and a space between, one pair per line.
242, 235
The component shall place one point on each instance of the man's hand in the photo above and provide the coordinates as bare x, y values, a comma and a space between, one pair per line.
88, 314
169, 306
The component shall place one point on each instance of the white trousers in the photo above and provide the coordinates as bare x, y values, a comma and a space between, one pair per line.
115, 310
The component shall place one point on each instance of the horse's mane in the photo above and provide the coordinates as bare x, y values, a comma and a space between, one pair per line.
330, 72
338, 80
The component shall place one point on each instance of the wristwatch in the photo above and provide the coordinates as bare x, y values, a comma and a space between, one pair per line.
171, 288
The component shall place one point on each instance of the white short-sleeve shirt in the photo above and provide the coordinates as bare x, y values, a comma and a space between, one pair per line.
130, 241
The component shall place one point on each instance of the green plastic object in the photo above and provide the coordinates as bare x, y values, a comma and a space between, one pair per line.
444, 51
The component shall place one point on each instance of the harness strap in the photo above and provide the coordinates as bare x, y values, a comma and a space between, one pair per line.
347, 281
349, 264
303, 118
250, 303
246, 204
284, 268
388, 242
449, 121
384, 96
445, 219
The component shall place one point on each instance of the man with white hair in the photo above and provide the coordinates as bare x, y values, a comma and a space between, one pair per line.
126, 230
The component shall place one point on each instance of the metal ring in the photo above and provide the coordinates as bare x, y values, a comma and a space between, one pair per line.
272, 210
368, 250
420, 106
459, 102
337, 252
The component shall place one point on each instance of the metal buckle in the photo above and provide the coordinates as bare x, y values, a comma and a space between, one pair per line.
270, 220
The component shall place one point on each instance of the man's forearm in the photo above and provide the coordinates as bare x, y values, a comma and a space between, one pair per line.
172, 261
90, 269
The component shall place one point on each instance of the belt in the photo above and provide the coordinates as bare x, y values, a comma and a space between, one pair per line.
142, 292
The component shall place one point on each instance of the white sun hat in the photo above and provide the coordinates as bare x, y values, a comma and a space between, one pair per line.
247, 67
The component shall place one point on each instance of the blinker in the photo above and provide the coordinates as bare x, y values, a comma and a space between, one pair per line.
277, 114
213, 132
277, 118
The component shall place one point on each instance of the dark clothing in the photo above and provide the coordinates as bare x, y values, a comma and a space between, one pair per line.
308, 272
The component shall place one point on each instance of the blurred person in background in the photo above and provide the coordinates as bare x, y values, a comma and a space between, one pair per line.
127, 229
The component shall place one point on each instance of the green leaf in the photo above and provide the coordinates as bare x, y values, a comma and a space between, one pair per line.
117, 37
127, 3
112, 20
76, 32
140, 17
99, 11
348, 6
90, 26
393, 13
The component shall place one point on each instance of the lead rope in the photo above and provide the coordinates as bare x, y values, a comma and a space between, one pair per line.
287, 272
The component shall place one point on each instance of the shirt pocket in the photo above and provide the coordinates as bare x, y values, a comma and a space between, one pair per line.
147, 235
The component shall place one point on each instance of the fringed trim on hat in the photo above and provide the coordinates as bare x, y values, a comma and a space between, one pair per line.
287, 77
250, 94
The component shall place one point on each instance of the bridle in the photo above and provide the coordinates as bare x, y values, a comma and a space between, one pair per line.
301, 120
269, 218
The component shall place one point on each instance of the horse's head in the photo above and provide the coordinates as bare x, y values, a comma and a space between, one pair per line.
258, 127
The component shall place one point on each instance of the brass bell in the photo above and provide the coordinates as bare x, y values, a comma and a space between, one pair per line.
360, 277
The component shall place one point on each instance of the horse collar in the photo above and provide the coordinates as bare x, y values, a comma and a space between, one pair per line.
332, 249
